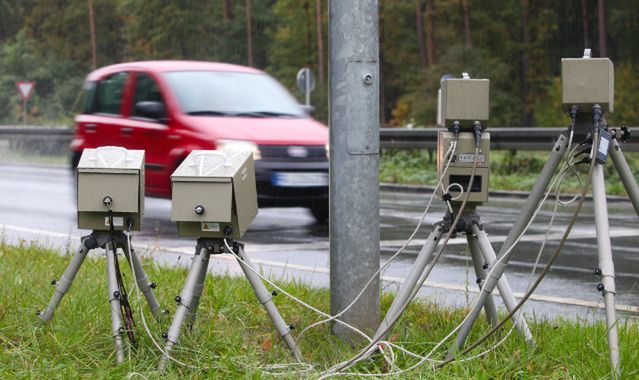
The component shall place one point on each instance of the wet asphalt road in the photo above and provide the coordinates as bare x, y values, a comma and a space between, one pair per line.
37, 204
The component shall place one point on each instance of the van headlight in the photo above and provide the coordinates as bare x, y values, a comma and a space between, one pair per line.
240, 145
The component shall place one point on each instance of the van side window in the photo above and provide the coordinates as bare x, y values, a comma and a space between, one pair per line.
88, 95
109, 94
146, 90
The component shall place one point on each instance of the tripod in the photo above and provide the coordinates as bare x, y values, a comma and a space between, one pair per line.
189, 298
482, 255
110, 242
605, 269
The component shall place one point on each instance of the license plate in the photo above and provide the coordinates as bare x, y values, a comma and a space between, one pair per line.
299, 179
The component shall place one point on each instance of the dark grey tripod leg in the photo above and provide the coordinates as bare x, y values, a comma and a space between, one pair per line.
142, 280
625, 174
478, 263
64, 283
114, 301
197, 292
606, 265
266, 299
184, 300
527, 210
405, 291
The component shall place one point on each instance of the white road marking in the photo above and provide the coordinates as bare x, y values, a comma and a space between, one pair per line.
316, 269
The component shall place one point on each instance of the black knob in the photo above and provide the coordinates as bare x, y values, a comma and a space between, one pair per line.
54, 281
108, 201
153, 285
274, 293
485, 266
116, 294
291, 326
600, 287
598, 272
178, 299
199, 209
38, 313
165, 335
121, 329
478, 281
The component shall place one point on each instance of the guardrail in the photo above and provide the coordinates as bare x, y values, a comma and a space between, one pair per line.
502, 138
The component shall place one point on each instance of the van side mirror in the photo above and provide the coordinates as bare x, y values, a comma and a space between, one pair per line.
151, 110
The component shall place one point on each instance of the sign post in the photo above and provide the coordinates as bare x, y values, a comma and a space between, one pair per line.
25, 89
306, 83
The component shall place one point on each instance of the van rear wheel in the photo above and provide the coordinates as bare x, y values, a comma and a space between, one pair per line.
320, 211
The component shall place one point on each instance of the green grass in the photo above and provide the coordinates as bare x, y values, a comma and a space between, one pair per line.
508, 170
233, 337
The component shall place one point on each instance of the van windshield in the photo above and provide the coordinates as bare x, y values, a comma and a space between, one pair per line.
224, 93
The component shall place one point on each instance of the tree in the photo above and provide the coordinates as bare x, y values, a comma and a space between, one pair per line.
601, 18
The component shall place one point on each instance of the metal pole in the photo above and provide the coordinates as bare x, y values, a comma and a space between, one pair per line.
307, 86
114, 300
24, 111
606, 265
354, 161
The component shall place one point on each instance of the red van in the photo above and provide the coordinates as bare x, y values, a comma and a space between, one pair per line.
169, 108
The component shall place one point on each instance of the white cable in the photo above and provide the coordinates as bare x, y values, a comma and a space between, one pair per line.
425, 358
146, 326
450, 154
368, 350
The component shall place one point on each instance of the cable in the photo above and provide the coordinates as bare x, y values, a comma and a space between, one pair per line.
595, 145
450, 153
144, 323
477, 299
367, 350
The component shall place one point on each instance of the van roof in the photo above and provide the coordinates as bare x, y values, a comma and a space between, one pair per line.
169, 65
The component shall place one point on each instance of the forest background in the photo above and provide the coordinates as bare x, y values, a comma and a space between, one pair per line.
518, 44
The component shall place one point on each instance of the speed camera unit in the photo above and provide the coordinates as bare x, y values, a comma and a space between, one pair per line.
214, 194
110, 178
457, 176
464, 100
587, 82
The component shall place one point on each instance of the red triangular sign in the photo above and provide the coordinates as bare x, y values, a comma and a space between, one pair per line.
25, 88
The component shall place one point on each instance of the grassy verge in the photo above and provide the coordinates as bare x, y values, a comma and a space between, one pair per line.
233, 337
508, 170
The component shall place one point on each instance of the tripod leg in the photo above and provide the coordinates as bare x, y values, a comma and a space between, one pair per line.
64, 283
606, 265
505, 291
184, 300
475, 252
114, 300
266, 299
625, 174
536, 194
142, 280
404, 293
197, 293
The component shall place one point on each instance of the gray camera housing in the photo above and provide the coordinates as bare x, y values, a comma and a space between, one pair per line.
586, 82
465, 100
220, 184
112, 172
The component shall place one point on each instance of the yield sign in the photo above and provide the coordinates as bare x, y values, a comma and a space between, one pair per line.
26, 89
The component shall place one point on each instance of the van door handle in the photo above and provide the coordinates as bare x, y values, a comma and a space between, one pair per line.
90, 128
126, 131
